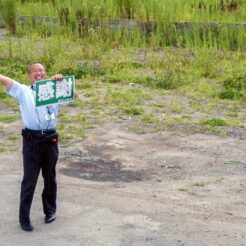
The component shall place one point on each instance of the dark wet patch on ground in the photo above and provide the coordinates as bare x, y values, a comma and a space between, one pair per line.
92, 167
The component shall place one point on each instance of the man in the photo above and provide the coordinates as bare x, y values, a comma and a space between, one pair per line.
40, 148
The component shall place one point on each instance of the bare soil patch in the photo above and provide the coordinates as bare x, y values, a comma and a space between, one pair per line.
120, 188
115, 187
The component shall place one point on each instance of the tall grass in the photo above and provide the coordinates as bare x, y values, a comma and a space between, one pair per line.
171, 10
8, 12
76, 19
73, 32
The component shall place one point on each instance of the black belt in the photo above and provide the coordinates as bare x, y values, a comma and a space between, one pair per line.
39, 132
40, 136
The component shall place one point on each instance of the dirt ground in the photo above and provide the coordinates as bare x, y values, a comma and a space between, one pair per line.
119, 188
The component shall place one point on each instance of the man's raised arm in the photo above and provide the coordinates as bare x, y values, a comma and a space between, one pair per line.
6, 82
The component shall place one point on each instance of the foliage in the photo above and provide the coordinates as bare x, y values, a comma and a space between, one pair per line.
131, 110
215, 122
151, 22
233, 87
3, 150
229, 94
238, 83
8, 118
14, 69
8, 11
3, 94
111, 79
161, 87
82, 70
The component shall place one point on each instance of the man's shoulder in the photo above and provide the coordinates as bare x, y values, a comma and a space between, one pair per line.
20, 85
17, 89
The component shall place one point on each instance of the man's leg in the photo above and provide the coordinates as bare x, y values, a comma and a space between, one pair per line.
31, 166
49, 175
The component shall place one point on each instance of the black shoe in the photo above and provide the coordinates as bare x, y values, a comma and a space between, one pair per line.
27, 226
49, 218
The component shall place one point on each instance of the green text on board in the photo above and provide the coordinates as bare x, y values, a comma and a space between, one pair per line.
55, 91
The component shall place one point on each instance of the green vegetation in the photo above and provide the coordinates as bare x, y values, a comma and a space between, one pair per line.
137, 9
153, 70
8, 12
2, 149
195, 187
215, 122
233, 87
13, 137
198, 184
153, 23
190, 193
8, 118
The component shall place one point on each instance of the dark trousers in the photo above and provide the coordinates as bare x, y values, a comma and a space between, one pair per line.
38, 156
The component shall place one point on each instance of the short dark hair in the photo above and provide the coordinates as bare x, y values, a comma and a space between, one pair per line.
29, 68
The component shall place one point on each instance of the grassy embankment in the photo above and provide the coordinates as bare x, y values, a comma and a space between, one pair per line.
169, 78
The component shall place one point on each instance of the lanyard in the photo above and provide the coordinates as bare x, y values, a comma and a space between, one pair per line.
49, 108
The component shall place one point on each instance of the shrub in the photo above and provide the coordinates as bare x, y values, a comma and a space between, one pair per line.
132, 110
168, 81
83, 70
233, 87
229, 94
111, 79
237, 83
16, 69
163, 82
8, 118
8, 11
3, 94
214, 122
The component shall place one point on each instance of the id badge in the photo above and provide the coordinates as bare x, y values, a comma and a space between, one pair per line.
52, 116
47, 117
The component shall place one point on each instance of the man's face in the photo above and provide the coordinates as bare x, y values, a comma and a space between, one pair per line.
36, 73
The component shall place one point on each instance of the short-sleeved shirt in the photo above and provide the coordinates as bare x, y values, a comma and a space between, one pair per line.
34, 118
